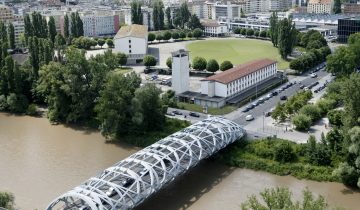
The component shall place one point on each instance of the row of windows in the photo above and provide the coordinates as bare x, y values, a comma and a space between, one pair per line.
249, 80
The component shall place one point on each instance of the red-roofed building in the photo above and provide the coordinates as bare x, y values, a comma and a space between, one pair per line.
238, 79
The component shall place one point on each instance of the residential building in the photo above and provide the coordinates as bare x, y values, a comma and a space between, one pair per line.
199, 8
280, 5
7, 16
253, 6
320, 6
132, 40
213, 28
229, 11
147, 17
346, 27
351, 8
233, 81
105, 25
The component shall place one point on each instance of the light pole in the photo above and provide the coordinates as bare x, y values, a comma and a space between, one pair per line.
263, 121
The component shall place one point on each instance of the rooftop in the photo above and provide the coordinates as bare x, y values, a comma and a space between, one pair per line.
240, 71
134, 30
320, 1
210, 23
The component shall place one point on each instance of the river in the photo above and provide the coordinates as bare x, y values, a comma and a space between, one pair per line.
39, 161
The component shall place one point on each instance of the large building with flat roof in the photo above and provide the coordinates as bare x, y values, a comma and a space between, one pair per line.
346, 27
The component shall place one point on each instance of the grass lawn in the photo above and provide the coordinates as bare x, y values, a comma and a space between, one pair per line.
123, 70
213, 111
237, 51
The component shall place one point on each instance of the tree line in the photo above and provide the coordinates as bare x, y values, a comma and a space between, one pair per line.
182, 18
251, 32
200, 64
175, 35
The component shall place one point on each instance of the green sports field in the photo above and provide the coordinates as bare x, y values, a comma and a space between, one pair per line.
237, 51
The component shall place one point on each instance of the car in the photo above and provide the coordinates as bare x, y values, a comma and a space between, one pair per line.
313, 75
254, 104
194, 114
283, 98
302, 86
261, 100
274, 93
246, 109
177, 112
170, 113
269, 95
279, 90
249, 117
306, 88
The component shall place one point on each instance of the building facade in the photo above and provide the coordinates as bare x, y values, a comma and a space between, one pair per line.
213, 28
351, 8
7, 16
180, 71
105, 25
132, 40
236, 80
320, 6
346, 27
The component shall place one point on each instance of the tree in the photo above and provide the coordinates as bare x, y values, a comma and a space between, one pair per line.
237, 30
121, 58
242, 14
158, 15
354, 45
28, 28
79, 25
225, 65
286, 37
194, 22
337, 7
341, 62
250, 32
197, 33
274, 29
334, 139
350, 92
302, 122
115, 104
349, 171
284, 152
168, 18
7, 200
256, 33
66, 27
169, 62
149, 60
17, 103
136, 13
147, 107
73, 28
11, 34
110, 43
190, 35
151, 37
335, 116
279, 113
166, 36
175, 35
243, 31
169, 98
312, 111
182, 35
182, 15
101, 42
281, 198
52, 29
212, 65
199, 63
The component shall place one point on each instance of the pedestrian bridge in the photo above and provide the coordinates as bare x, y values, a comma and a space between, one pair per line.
129, 182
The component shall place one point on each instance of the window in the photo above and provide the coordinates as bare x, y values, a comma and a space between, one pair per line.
129, 51
129, 41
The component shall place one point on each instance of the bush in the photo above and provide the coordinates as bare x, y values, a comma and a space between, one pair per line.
17, 103
159, 37
182, 35
199, 63
243, 31
237, 30
302, 122
110, 43
325, 105
284, 152
335, 117
225, 65
175, 35
3, 103
197, 33
212, 65
263, 34
249, 32
151, 37
189, 35
166, 36
31, 110
312, 111
169, 62
257, 33
149, 60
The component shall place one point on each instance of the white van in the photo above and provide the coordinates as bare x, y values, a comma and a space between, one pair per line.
249, 117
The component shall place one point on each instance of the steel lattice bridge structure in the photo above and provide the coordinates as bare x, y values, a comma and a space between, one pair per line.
129, 182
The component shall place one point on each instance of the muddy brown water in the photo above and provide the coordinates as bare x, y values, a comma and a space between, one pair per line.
39, 161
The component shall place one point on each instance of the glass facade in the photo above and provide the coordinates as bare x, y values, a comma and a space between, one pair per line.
347, 27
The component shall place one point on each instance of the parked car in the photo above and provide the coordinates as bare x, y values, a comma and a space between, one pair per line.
283, 98
249, 117
170, 113
274, 93
177, 112
268, 114
246, 109
261, 100
302, 86
313, 75
194, 114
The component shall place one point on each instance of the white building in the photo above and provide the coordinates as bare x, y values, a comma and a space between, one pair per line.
236, 80
200, 9
229, 11
320, 6
180, 71
133, 41
213, 28
100, 25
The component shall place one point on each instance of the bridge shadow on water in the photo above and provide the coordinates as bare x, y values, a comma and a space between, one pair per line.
187, 189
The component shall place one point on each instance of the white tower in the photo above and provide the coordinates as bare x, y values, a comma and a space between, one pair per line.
180, 71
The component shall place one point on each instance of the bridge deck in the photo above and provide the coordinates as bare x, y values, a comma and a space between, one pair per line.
130, 181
